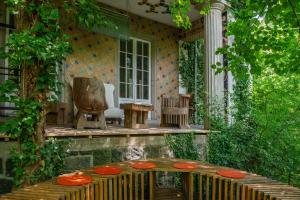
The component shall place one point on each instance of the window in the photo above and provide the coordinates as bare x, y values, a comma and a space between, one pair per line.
6, 25
134, 71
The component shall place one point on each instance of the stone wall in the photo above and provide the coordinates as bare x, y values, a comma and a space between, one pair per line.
88, 152
85, 152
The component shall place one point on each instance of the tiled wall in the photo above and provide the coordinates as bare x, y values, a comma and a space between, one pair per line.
94, 55
165, 50
97, 55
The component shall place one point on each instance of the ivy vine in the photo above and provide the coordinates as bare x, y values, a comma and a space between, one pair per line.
191, 69
37, 47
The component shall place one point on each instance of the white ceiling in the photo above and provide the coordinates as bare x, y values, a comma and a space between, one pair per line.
132, 6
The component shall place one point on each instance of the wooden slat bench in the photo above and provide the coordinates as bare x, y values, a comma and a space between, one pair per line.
203, 184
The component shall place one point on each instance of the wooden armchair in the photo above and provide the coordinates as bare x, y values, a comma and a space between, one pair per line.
175, 111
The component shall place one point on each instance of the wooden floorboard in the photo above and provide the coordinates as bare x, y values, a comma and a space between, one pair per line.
118, 131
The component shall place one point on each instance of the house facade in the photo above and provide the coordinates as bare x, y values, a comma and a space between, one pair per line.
141, 68
142, 61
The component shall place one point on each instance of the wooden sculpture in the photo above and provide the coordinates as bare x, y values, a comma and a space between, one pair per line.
89, 98
175, 111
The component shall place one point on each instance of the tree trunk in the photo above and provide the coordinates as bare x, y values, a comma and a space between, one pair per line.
28, 87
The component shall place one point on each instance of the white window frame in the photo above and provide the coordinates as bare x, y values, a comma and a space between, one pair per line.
134, 73
5, 76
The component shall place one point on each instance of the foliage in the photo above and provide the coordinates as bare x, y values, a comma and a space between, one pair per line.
192, 78
264, 137
52, 164
266, 36
181, 8
37, 48
264, 59
233, 145
276, 110
88, 14
183, 146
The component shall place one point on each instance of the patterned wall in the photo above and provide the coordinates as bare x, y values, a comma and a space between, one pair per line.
96, 55
165, 48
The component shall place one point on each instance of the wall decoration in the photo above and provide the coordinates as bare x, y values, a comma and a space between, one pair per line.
155, 7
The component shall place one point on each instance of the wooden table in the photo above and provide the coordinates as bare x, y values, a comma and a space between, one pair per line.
136, 115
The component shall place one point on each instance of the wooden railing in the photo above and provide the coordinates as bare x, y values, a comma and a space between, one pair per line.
131, 184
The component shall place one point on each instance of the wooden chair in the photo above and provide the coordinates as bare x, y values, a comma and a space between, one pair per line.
175, 111
89, 98
112, 114
57, 114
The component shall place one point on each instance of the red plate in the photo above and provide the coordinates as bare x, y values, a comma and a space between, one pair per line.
144, 165
229, 173
107, 170
74, 180
185, 165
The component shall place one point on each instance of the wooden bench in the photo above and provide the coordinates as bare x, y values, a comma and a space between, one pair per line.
133, 184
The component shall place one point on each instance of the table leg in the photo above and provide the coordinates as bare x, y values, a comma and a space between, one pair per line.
145, 118
130, 119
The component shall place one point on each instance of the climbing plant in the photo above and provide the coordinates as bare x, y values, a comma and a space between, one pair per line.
191, 70
37, 47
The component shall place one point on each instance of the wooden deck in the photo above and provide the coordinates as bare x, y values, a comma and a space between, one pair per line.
132, 184
119, 130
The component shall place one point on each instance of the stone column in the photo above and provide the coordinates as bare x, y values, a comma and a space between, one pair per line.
214, 84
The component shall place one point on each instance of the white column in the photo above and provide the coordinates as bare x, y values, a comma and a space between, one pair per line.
214, 84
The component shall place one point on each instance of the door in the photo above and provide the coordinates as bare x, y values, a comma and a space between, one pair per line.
134, 71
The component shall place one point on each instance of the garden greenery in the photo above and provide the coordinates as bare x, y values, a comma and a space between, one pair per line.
191, 54
264, 133
37, 47
183, 146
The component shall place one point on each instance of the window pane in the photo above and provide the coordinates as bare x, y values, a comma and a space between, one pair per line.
122, 60
129, 46
123, 45
139, 77
139, 48
146, 78
139, 91
139, 62
129, 76
129, 61
146, 49
146, 63
146, 92
122, 74
122, 90
129, 91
